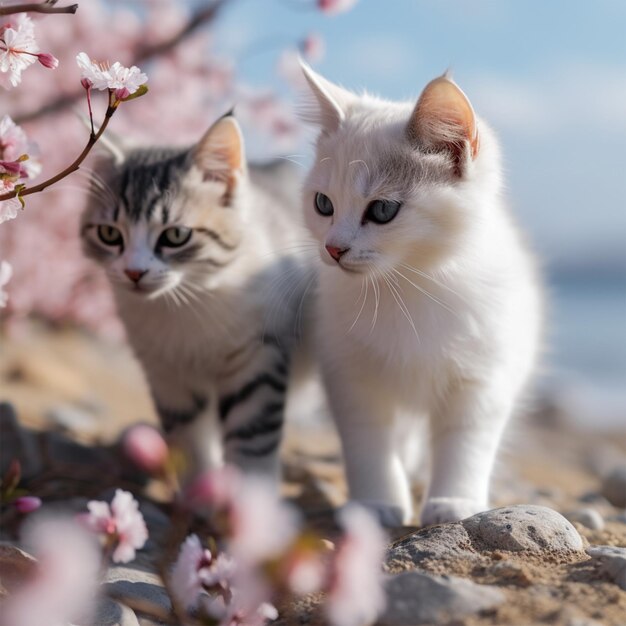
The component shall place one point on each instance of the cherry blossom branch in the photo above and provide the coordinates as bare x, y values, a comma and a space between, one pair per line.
202, 16
75, 165
36, 7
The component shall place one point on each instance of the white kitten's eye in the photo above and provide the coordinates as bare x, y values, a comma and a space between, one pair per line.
381, 211
323, 205
110, 235
174, 237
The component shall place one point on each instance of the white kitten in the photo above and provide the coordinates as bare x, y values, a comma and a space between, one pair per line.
428, 304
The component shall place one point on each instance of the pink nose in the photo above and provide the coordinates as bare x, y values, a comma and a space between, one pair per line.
336, 252
135, 275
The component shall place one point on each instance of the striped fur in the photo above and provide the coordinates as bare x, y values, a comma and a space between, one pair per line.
214, 320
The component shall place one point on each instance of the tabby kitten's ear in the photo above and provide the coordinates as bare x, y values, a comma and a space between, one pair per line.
220, 153
444, 120
330, 101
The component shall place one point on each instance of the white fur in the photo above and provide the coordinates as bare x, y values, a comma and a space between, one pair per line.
435, 315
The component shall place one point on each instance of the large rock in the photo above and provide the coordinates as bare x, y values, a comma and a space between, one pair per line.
612, 562
419, 598
444, 542
522, 528
614, 487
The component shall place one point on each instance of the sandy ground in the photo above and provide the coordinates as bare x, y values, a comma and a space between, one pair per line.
68, 381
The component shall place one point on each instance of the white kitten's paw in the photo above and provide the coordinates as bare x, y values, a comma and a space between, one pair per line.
442, 510
389, 515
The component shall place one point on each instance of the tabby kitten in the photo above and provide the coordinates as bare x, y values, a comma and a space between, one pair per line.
199, 250
428, 305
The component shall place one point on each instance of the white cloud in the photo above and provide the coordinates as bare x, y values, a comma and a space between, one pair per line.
575, 97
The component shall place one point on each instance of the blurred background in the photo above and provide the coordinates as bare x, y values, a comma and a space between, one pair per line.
550, 77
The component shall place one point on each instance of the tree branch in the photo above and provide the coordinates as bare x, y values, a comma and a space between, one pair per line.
93, 138
36, 7
202, 16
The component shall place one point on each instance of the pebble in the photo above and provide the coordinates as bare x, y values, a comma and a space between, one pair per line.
590, 518
522, 528
612, 562
614, 487
420, 598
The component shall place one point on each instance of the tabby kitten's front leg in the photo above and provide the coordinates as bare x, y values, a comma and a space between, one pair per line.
251, 407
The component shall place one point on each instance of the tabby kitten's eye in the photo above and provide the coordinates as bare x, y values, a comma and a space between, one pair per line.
110, 235
381, 211
174, 237
323, 205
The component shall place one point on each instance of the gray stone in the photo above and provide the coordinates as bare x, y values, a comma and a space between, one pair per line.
614, 487
16, 566
111, 613
141, 590
590, 518
612, 561
441, 542
73, 419
17, 443
419, 598
522, 528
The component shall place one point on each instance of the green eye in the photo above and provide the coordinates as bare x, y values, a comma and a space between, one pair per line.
174, 237
110, 235
323, 204
381, 211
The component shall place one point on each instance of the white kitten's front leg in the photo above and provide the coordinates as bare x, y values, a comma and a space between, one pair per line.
465, 435
375, 475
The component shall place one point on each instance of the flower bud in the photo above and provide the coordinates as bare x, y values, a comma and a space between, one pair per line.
47, 60
27, 504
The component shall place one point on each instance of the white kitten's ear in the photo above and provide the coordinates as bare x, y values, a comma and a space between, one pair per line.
220, 153
328, 109
443, 119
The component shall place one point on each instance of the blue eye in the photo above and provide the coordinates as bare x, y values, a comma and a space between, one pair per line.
323, 205
381, 211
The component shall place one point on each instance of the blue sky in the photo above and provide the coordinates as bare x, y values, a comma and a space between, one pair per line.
550, 76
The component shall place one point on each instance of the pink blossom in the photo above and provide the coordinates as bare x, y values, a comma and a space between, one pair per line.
6, 271
333, 7
121, 523
145, 446
65, 581
27, 504
15, 148
196, 571
18, 48
123, 80
356, 593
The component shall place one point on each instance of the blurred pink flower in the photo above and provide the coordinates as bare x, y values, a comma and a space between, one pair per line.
15, 145
356, 595
8, 208
332, 7
259, 524
144, 445
6, 271
121, 523
64, 585
26, 504
196, 571
18, 48
312, 48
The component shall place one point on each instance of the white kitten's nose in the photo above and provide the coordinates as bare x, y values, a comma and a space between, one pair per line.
336, 252
135, 275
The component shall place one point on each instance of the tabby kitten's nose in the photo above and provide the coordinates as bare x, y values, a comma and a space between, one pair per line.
336, 252
135, 275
